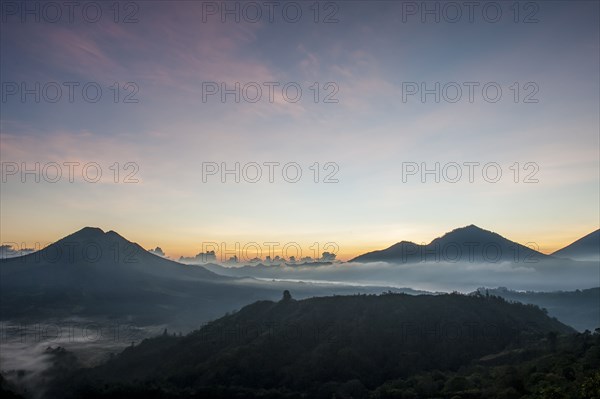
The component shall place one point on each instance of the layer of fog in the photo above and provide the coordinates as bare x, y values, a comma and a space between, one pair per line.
441, 276
24, 347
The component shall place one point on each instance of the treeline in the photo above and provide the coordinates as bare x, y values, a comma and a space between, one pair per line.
362, 346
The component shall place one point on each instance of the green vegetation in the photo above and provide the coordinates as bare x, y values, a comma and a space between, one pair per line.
555, 368
363, 346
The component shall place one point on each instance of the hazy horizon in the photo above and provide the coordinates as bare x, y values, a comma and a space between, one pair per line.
262, 250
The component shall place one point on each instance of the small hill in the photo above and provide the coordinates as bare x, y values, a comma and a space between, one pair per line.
296, 347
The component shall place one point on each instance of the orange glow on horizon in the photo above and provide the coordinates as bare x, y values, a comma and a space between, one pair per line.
175, 248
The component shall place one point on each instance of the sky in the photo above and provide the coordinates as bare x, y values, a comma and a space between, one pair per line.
355, 124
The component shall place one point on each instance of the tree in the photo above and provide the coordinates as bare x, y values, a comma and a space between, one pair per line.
552, 340
590, 389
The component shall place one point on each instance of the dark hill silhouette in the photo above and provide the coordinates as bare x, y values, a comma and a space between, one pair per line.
92, 249
96, 273
465, 244
586, 248
298, 347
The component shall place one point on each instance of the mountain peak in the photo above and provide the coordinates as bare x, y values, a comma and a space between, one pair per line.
87, 233
469, 232
95, 234
403, 242
471, 228
470, 243
94, 250
90, 229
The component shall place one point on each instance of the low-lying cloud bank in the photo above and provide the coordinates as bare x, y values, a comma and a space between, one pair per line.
438, 276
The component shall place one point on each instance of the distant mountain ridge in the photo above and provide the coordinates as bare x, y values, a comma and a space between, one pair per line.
579, 309
91, 247
96, 273
585, 248
465, 244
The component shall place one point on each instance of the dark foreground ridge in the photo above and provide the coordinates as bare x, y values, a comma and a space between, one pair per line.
347, 346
